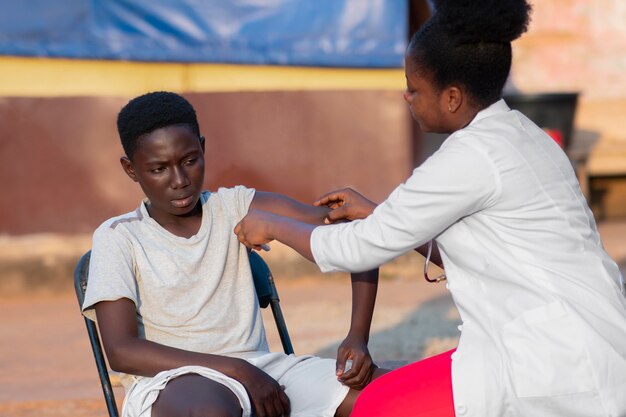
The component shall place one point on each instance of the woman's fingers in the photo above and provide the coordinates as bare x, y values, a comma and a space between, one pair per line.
336, 197
340, 213
330, 200
346, 204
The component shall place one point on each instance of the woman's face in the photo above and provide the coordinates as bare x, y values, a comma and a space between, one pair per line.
425, 101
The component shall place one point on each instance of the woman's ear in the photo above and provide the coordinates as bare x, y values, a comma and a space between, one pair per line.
454, 97
128, 168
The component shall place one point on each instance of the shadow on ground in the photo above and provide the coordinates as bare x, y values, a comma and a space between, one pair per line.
425, 331
428, 330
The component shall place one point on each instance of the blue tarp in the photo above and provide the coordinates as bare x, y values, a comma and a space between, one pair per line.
355, 33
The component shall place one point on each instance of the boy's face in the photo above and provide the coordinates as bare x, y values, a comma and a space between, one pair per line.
168, 164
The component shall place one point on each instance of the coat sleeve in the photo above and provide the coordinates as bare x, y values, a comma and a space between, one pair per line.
455, 182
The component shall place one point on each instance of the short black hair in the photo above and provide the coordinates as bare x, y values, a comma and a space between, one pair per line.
152, 111
469, 42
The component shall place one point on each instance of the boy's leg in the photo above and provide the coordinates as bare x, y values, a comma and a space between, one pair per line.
312, 386
192, 394
345, 408
310, 383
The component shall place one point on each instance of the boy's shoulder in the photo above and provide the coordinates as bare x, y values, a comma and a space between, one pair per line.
231, 196
228, 197
126, 219
230, 191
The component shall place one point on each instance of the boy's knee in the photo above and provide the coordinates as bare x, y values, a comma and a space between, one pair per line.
214, 410
366, 401
198, 410
195, 396
346, 406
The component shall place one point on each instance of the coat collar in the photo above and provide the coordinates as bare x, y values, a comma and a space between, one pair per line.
499, 106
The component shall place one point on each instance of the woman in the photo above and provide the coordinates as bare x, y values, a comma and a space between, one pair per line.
544, 317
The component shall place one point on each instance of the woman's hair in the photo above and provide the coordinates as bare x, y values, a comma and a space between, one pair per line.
152, 111
469, 42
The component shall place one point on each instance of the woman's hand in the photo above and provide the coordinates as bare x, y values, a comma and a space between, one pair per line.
362, 369
267, 396
254, 230
346, 204
260, 227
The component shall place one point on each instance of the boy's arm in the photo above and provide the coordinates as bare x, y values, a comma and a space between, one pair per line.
294, 219
354, 346
130, 354
364, 287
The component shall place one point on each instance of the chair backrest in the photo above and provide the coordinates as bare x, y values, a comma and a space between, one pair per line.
266, 292
263, 280
268, 295
81, 276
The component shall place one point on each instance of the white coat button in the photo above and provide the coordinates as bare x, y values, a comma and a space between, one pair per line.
460, 327
461, 409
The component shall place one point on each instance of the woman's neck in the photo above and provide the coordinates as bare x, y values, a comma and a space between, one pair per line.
464, 115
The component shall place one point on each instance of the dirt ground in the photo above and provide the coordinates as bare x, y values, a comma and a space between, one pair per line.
48, 369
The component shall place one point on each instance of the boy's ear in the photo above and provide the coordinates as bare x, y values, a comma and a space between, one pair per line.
202, 143
128, 168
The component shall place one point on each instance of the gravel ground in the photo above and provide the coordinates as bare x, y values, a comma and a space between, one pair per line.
47, 366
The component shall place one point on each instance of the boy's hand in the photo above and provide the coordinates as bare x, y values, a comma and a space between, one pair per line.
353, 350
346, 204
267, 396
254, 229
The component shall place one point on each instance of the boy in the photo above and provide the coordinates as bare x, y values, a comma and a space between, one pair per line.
172, 289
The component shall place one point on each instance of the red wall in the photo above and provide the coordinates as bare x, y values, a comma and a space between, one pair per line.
59, 156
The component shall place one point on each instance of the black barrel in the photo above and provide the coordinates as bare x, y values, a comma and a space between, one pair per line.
553, 112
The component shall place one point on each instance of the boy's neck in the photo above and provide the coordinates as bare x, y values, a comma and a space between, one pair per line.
185, 226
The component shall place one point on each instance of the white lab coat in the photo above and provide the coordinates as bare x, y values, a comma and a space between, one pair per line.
544, 317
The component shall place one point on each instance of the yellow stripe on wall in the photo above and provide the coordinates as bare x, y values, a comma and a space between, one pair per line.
43, 77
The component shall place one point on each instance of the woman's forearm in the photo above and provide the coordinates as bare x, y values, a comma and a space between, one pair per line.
293, 233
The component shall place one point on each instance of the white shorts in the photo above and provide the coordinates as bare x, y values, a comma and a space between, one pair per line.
310, 383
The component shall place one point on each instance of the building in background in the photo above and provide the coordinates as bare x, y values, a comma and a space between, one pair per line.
580, 45
294, 96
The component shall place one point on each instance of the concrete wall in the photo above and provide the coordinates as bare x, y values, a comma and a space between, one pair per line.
577, 45
580, 45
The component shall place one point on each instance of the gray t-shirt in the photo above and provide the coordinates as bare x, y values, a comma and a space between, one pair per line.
192, 293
